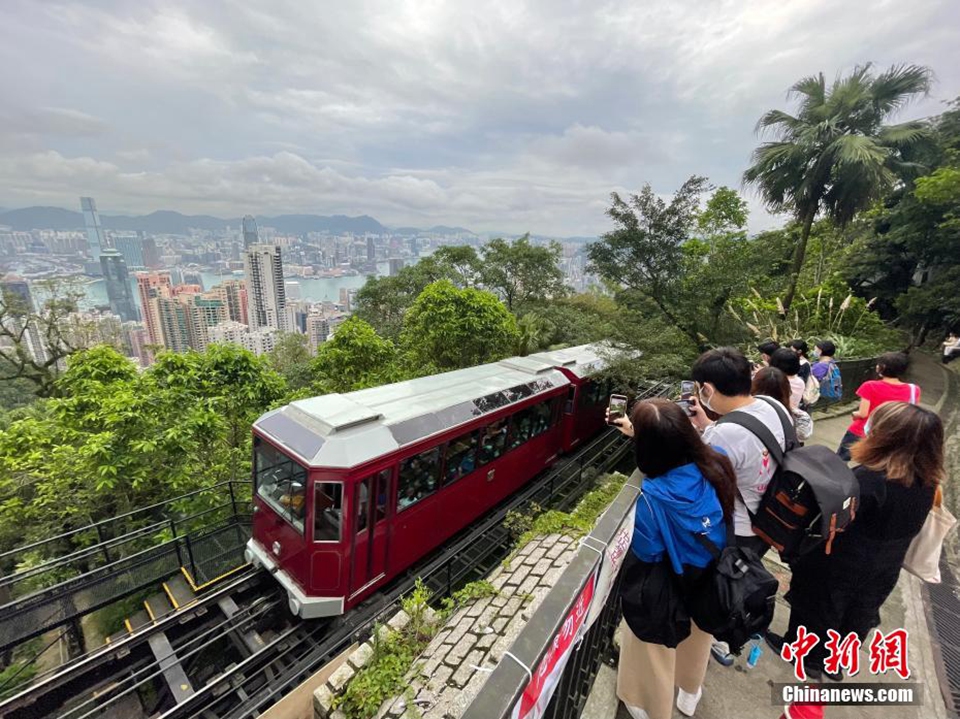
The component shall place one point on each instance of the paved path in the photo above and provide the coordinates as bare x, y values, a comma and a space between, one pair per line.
734, 693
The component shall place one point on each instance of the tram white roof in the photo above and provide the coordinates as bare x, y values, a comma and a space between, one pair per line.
582, 360
346, 430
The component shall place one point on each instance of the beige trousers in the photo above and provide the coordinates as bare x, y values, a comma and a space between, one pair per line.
648, 673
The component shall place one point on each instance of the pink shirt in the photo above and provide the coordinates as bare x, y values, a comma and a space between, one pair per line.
876, 392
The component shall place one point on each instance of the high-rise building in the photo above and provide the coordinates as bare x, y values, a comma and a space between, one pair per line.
151, 255
150, 287
117, 280
96, 238
371, 250
318, 329
233, 294
18, 302
257, 341
132, 250
250, 234
135, 341
203, 312
396, 264
266, 293
174, 323
415, 246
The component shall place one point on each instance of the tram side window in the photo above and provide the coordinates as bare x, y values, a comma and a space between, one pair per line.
461, 457
529, 423
418, 477
281, 483
493, 441
327, 511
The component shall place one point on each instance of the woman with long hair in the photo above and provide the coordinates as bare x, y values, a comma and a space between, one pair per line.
688, 489
900, 470
771, 382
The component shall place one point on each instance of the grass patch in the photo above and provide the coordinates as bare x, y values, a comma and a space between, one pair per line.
382, 677
573, 524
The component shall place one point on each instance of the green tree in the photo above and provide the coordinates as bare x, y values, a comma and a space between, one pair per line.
836, 155
291, 358
459, 263
48, 320
520, 272
116, 439
448, 328
355, 357
531, 330
907, 250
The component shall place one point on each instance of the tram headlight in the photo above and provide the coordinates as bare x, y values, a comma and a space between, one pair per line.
249, 557
276, 549
294, 605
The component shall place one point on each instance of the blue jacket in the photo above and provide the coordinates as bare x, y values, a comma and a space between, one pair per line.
670, 509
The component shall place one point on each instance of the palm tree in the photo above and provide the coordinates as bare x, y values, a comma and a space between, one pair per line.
836, 155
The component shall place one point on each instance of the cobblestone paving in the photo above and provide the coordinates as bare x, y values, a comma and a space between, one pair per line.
450, 672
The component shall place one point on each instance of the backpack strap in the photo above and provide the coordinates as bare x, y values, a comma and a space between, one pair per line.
707, 544
762, 432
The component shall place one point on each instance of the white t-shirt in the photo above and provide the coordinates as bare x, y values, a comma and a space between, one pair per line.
751, 461
797, 387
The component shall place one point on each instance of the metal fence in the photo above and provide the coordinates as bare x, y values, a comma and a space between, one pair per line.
207, 542
855, 372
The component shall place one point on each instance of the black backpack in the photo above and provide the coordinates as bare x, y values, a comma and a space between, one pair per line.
811, 497
735, 599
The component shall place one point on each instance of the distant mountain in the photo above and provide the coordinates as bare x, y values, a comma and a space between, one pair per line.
444, 230
43, 218
301, 224
168, 222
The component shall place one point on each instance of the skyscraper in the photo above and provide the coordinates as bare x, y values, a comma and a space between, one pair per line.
118, 285
371, 250
16, 298
266, 293
151, 255
233, 294
318, 329
150, 287
396, 264
250, 235
132, 250
174, 323
96, 238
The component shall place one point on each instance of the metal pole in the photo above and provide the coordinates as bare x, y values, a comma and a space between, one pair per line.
106, 554
193, 564
233, 501
176, 541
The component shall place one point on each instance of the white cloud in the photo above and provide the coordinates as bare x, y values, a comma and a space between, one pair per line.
510, 114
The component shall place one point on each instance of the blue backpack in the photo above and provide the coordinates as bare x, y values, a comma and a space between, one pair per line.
831, 386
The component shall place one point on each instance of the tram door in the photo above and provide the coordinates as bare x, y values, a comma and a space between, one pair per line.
370, 529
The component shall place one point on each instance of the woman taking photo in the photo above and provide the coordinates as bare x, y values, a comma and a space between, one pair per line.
901, 467
688, 489
873, 393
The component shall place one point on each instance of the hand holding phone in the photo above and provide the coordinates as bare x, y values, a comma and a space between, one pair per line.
687, 389
616, 409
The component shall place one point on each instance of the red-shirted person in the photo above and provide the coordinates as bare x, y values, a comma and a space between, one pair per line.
873, 393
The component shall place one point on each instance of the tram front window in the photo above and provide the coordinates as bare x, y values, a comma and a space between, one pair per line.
281, 483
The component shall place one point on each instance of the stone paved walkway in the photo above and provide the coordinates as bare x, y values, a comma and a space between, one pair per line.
459, 659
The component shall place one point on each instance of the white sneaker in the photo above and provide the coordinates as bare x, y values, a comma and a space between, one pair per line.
687, 703
637, 712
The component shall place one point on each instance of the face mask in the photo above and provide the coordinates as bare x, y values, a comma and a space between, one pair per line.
704, 402
816, 354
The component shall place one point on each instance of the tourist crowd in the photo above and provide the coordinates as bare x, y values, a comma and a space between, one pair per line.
710, 466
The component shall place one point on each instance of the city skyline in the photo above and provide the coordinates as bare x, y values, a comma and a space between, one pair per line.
507, 117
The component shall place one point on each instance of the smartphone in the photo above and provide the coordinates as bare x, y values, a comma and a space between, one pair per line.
687, 388
617, 408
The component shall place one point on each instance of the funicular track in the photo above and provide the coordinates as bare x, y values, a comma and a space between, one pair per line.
275, 652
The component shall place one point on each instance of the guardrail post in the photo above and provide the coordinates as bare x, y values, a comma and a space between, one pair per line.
176, 541
193, 564
233, 501
106, 554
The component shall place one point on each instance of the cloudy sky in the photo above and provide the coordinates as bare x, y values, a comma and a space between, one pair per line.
507, 115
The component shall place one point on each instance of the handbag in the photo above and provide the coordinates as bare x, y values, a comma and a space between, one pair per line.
923, 555
651, 597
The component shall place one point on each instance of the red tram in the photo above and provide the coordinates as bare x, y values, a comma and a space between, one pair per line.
351, 489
